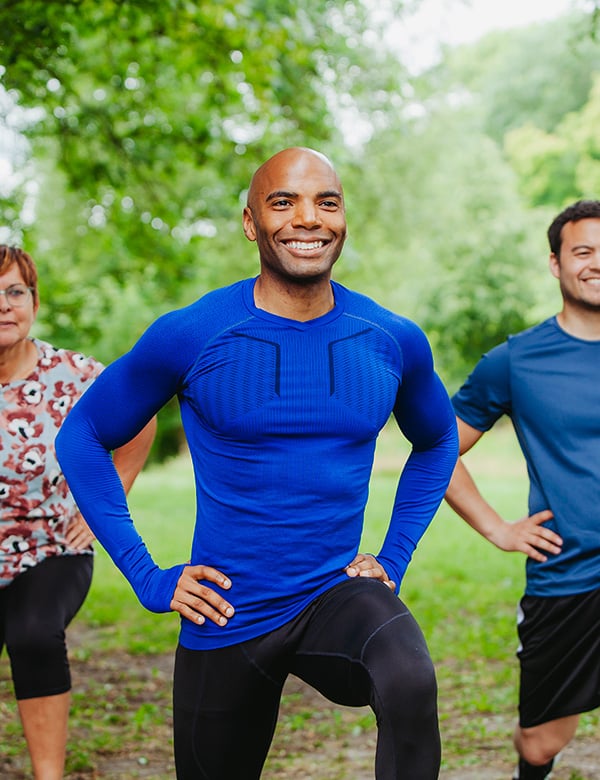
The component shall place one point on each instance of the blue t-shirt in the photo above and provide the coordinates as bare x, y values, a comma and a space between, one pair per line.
281, 419
548, 383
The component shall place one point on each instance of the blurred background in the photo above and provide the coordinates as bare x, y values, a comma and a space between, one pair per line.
129, 132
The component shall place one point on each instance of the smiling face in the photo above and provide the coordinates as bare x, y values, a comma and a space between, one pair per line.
15, 323
296, 215
578, 267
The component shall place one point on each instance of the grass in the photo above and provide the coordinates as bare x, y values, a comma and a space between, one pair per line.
454, 573
461, 589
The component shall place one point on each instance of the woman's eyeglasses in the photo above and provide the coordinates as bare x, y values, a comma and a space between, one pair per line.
17, 294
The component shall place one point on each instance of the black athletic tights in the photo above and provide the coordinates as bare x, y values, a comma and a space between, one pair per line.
35, 610
357, 644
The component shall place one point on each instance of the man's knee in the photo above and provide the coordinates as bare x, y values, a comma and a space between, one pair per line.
400, 664
415, 684
539, 744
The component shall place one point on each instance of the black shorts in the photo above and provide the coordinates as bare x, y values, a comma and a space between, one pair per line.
559, 655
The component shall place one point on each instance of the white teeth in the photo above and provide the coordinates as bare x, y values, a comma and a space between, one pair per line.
304, 244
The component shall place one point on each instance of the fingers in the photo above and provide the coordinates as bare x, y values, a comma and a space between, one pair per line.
531, 537
368, 566
79, 534
547, 533
540, 517
198, 602
82, 540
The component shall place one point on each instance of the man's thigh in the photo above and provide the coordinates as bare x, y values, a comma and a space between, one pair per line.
357, 635
224, 711
559, 657
362, 646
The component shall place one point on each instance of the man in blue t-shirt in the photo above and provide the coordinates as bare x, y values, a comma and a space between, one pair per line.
547, 380
284, 383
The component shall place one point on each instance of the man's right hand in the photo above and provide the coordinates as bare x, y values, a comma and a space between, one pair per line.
197, 602
528, 536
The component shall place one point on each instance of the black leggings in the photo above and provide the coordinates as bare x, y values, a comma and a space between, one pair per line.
357, 644
35, 610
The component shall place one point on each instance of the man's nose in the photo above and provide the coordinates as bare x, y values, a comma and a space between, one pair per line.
306, 215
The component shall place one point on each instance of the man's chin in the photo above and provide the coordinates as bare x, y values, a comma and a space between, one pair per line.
309, 273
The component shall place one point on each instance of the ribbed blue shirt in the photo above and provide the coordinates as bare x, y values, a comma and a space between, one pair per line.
281, 419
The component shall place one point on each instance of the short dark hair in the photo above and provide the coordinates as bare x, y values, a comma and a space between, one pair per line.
12, 255
582, 209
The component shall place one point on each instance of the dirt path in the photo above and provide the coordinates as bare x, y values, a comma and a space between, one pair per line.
120, 731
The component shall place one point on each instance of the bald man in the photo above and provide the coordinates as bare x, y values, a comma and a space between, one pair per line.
284, 383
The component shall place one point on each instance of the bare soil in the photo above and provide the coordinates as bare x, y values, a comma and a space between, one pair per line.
121, 729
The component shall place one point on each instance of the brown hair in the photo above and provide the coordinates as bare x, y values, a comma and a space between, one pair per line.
9, 255
582, 209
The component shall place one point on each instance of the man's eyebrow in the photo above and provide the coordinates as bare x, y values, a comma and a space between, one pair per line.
281, 194
286, 194
330, 194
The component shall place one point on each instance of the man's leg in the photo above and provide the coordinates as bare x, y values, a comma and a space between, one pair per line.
225, 706
362, 646
558, 655
537, 746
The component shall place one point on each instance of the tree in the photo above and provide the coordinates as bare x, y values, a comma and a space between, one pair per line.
531, 75
557, 168
439, 225
155, 115
151, 118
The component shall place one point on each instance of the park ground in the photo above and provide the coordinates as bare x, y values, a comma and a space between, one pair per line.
122, 729
121, 724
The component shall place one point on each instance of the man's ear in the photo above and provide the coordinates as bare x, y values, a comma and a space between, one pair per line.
554, 265
248, 224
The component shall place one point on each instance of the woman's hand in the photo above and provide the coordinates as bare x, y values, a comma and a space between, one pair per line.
79, 535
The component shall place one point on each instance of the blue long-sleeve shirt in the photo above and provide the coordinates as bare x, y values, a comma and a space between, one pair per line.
281, 419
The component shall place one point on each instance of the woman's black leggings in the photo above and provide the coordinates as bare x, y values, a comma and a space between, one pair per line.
35, 610
357, 644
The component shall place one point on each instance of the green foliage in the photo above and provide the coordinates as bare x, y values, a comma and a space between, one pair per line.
146, 121
535, 74
454, 195
150, 119
545, 163
443, 237
153, 117
563, 166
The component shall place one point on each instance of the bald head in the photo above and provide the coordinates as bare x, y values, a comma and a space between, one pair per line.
296, 216
297, 159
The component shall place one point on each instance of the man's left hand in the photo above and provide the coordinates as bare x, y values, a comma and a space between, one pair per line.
368, 566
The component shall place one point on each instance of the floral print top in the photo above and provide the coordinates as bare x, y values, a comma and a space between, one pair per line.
36, 506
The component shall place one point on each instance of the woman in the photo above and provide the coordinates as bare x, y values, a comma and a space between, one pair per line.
45, 545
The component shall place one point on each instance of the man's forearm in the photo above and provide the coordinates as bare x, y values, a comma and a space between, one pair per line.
466, 500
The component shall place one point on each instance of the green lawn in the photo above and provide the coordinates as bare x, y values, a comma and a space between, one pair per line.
461, 589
